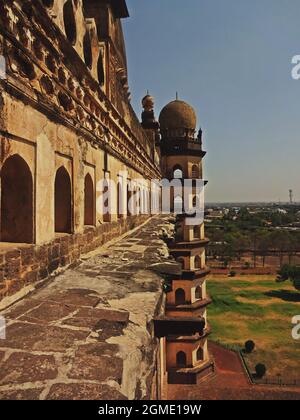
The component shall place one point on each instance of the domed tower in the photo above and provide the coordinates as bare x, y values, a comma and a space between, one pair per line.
151, 126
187, 357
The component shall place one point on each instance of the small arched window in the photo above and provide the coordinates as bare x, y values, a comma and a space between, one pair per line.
120, 200
100, 70
196, 232
181, 359
63, 201
129, 200
197, 262
70, 22
180, 297
16, 201
89, 201
178, 205
195, 171
200, 354
87, 50
106, 202
198, 293
177, 172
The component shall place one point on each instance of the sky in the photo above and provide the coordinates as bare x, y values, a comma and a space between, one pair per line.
231, 60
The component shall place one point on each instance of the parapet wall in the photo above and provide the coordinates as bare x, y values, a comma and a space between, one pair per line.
88, 334
21, 268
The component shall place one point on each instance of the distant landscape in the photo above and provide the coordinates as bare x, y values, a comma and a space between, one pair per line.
250, 245
260, 236
259, 309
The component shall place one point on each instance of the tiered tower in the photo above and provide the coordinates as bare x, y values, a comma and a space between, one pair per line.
186, 330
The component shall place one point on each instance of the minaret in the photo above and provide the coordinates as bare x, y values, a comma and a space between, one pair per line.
150, 125
187, 360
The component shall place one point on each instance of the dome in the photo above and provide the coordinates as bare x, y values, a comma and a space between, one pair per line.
178, 114
148, 103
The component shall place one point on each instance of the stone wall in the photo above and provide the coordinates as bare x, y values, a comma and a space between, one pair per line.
65, 119
21, 268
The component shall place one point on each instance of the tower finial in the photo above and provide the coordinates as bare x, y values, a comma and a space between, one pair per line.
147, 92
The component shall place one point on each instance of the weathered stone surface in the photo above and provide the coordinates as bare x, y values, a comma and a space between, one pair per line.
97, 362
108, 329
21, 394
48, 312
2, 354
84, 391
97, 321
24, 367
167, 268
20, 308
78, 297
91, 318
41, 338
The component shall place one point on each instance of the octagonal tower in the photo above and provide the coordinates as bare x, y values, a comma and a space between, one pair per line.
187, 359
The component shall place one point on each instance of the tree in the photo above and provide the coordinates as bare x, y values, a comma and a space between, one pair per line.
290, 272
282, 242
296, 283
263, 244
249, 346
260, 370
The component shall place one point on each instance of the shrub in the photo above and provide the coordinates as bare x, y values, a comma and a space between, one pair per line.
232, 273
225, 263
260, 370
296, 283
249, 346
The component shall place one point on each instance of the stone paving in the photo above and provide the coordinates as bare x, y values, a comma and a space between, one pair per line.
87, 333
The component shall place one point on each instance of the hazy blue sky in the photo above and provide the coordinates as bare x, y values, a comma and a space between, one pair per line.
231, 60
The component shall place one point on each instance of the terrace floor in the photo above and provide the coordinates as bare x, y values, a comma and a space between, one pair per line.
85, 334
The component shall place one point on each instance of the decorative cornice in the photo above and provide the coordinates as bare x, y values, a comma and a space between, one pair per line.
48, 79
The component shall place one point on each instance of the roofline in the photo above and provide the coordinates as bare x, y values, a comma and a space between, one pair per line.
120, 8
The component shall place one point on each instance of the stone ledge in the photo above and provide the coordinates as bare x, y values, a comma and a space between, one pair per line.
89, 332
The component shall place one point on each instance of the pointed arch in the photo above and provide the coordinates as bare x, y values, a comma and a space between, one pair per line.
195, 171
177, 172
63, 201
178, 204
120, 199
200, 354
129, 201
181, 359
70, 22
106, 201
87, 50
197, 231
197, 262
100, 70
16, 201
198, 292
89, 201
180, 297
